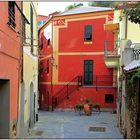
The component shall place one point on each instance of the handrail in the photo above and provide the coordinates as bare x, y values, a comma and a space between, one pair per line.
65, 92
111, 48
98, 81
136, 52
103, 81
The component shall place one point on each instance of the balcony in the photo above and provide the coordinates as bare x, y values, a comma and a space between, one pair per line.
111, 26
101, 81
136, 51
111, 53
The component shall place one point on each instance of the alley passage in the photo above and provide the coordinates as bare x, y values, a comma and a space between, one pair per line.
68, 124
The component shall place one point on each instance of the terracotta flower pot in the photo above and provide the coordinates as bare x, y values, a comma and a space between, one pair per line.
87, 109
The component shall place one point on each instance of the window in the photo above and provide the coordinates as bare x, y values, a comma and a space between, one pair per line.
11, 14
41, 43
41, 23
88, 33
24, 30
48, 41
88, 72
109, 98
31, 26
47, 66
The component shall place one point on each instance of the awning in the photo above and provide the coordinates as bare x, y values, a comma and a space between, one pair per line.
134, 64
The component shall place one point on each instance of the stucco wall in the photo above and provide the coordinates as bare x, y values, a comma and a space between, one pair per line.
70, 51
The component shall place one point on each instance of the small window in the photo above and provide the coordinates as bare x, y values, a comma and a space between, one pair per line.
48, 41
47, 66
24, 30
41, 43
41, 70
31, 27
11, 14
88, 33
109, 98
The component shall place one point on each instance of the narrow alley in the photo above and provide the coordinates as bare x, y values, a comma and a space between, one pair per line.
69, 70
70, 124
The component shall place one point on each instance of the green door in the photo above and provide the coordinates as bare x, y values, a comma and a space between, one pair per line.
88, 72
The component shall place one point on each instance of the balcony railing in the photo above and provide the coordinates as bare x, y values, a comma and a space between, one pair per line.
111, 53
66, 91
108, 81
136, 51
103, 81
111, 48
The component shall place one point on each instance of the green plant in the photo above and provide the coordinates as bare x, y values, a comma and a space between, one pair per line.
79, 106
131, 98
96, 106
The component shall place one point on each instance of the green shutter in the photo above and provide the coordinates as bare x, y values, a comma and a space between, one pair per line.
88, 72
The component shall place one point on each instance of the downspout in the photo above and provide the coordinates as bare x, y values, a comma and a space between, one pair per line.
20, 73
126, 24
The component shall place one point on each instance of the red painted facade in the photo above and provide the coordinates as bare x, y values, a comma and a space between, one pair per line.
42, 18
71, 53
9, 63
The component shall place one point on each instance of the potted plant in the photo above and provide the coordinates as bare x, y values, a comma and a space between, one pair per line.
79, 107
96, 106
88, 107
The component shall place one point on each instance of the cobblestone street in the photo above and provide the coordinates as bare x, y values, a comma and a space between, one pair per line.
68, 124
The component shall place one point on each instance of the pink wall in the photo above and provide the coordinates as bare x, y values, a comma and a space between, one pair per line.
10, 55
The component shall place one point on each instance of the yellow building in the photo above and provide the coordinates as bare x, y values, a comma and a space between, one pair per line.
127, 35
28, 100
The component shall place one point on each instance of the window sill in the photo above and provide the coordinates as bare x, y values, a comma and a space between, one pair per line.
109, 103
87, 42
10, 26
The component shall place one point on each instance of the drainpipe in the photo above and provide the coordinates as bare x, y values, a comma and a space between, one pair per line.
20, 72
126, 24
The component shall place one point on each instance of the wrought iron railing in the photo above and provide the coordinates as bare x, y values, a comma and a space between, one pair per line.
66, 91
74, 84
136, 51
111, 48
103, 81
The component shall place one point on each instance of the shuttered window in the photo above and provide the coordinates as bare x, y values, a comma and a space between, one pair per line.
88, 33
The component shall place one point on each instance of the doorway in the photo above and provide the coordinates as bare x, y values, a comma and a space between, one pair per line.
31, 102
22, 104
4, 108
88, 72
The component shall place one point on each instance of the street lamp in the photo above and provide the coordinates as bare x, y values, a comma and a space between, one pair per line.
53, 62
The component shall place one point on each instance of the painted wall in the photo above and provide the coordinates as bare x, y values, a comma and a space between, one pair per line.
30, 71
70, 51
9, 60
42, 20
127, 31
133, 32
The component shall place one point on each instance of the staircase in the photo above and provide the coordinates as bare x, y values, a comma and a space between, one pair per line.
66, 91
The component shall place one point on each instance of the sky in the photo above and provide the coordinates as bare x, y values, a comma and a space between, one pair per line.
45, 8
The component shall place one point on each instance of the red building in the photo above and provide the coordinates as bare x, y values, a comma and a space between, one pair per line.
42, 20
10, 66
72, 67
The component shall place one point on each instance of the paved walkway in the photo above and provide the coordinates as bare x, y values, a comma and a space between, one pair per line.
72, 125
